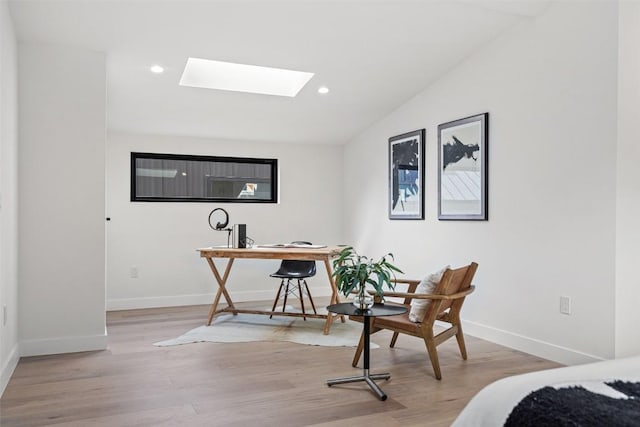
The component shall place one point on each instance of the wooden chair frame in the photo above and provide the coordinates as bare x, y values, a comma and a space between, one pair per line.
446, 303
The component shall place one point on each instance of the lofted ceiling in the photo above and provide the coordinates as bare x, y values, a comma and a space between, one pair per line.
373, 55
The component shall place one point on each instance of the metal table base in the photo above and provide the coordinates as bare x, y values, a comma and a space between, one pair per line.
366, 376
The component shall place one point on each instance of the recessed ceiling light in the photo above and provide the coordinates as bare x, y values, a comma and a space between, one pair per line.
209, 74
323, 90
157, 69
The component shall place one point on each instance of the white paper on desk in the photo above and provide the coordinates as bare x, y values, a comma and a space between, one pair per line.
290, 245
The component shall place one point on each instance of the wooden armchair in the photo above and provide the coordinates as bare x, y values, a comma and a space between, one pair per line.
445, 306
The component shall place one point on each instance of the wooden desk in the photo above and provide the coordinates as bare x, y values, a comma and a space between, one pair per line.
305, 254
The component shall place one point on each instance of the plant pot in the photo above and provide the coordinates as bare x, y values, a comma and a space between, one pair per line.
363, 302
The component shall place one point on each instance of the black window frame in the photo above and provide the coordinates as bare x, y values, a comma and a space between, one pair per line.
190, 157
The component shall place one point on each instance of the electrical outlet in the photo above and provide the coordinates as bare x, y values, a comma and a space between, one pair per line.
4, 315
133, 272
565, 305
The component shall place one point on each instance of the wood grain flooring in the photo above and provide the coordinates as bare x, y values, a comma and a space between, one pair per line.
134, 383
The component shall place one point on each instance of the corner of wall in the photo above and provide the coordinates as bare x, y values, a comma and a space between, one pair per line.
627, 291
9, 345
8, 368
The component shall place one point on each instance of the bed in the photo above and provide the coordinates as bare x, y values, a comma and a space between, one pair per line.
603, 393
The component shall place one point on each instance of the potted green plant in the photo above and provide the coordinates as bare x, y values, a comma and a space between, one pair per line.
352, 272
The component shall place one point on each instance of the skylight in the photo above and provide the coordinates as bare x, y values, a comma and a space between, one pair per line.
209, 74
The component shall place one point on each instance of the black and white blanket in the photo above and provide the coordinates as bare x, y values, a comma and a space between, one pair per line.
577, 405
596, 394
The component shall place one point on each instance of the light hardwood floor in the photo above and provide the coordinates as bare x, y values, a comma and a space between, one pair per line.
134, 383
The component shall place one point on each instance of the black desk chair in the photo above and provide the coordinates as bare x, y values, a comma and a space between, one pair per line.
299, 271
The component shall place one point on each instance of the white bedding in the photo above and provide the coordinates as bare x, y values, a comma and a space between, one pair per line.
493, 404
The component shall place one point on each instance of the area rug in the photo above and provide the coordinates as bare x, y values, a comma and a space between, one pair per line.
254, 327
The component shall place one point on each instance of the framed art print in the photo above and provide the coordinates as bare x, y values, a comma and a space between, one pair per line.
406, 175
462, 169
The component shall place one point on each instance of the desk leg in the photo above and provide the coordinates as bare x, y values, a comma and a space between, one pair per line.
335, 299
366, 377
222, 290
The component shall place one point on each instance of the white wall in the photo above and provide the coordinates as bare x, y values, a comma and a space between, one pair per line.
62, 199
628, 183
160, 238
550, 88
9, 351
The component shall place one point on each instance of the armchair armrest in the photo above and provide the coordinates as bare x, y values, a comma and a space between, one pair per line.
413, 285
407, 281
410, 295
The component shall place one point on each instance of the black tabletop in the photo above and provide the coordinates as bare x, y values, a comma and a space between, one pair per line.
377, 310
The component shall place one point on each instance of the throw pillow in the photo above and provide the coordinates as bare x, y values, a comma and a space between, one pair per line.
426, 286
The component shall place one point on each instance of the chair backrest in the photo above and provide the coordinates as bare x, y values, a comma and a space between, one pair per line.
299, 267
452, 282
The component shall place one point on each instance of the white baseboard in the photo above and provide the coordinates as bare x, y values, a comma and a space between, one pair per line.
181, 300
8, 368
152, 302
63, 345
546, 350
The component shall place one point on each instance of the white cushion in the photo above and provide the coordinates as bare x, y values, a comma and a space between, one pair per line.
426, 286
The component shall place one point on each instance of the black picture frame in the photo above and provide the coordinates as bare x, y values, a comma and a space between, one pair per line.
463, 159
406, 175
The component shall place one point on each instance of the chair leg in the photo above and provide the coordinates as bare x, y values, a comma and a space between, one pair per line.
394, 338
309, 295
433, 355
275, 303
301, 300
286, 294
356, 357
461, 345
